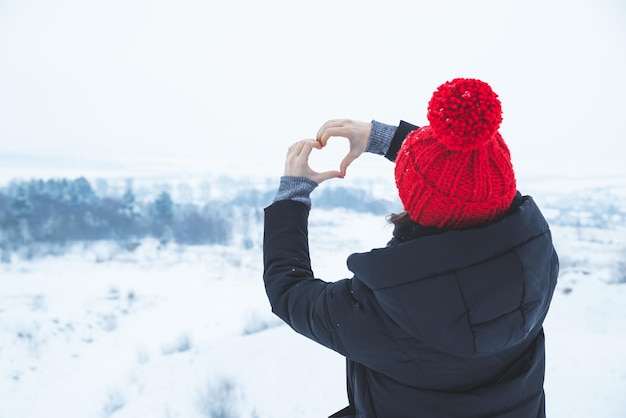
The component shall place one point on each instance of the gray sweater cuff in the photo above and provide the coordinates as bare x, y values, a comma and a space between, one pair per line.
295, 188
380, 138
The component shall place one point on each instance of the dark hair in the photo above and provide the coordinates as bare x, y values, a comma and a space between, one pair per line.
399, 219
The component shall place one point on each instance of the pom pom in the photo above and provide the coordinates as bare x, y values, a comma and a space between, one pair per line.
464, 114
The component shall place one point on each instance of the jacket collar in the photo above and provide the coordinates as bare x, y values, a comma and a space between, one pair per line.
411, 230
428, 253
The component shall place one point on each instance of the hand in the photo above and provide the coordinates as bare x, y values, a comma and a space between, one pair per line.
297, 162
357, 133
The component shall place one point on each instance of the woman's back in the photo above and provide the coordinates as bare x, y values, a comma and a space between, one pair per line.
446, 321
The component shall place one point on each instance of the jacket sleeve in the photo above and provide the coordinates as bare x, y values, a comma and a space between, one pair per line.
341, 315
398, 138
387, 139
312, 307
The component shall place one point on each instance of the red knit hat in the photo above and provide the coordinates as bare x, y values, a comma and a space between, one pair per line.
457, 172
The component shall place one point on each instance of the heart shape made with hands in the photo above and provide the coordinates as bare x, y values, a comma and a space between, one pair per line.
329, 158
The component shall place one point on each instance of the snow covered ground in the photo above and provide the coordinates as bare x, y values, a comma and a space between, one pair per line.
106, 331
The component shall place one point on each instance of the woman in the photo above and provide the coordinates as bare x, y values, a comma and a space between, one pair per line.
446, 320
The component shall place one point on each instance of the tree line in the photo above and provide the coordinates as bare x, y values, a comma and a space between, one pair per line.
62, 210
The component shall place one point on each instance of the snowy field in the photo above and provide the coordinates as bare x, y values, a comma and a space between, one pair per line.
164, 332
159, 91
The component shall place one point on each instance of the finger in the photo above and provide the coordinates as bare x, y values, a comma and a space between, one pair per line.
297, 163
299, 154
292, 150
293, 154
343, 167
325, 126
330, 124
323, 135
296, 149
332, 131
327, 175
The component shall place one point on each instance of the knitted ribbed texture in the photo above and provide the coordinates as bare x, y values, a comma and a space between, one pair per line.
457, 172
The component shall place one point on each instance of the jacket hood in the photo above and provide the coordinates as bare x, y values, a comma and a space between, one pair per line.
469, 292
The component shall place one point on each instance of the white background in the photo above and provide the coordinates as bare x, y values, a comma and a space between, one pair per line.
208, 82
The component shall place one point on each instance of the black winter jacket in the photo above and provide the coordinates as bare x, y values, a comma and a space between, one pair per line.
445, 324
438, 323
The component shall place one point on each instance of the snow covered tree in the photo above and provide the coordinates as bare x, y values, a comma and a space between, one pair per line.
129, 207
163, 209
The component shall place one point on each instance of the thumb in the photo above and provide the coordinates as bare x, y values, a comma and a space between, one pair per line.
327, 175
343, 167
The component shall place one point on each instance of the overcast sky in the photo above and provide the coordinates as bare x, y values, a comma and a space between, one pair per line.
238, 81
